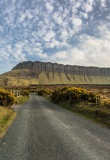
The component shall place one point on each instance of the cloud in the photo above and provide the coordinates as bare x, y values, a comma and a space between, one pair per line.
88, 6
38, 44
76, 22
91, 51
49, 35
49, 7
14, 2
42, 55
3, 55
78, 4
64, 34
1, 29
103, 3
73, 31
52, 44
57, 17
22, 17
84, 15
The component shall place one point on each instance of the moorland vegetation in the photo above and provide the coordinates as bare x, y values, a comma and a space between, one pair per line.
85, 102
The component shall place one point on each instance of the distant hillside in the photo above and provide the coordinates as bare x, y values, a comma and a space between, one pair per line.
29, 72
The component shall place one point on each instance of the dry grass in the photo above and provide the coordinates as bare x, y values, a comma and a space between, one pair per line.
7, 115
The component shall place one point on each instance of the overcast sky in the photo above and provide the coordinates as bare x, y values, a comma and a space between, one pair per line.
75, 32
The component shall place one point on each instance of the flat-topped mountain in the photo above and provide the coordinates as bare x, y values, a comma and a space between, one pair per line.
29, 72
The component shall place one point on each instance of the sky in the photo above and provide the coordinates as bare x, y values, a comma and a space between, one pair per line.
74, 32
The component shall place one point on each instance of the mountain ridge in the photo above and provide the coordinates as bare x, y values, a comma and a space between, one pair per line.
29, 72
55, 67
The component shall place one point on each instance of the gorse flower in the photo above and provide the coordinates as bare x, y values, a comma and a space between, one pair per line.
6, 98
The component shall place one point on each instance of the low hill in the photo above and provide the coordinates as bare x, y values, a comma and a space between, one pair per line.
26, 73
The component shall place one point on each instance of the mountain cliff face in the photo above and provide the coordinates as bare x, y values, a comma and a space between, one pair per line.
60, 68
29, 72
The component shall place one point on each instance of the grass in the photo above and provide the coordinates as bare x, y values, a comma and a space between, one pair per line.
12, 78
99, 114
21, 99
7, 116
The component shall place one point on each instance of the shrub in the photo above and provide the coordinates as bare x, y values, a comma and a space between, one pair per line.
6, 98
44, 92
71, 94
41, 92
106, 103
92, 97
74, 95
25, 93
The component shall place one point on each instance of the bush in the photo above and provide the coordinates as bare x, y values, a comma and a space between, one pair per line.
25, 93
107, 103
44, 92
70, 94
92, 97
74, 95
41, 92
6, 98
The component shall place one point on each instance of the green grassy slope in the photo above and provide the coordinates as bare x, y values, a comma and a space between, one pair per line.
21, 78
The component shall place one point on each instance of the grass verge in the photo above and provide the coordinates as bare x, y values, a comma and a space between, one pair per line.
90, 111
21, 99
7, 116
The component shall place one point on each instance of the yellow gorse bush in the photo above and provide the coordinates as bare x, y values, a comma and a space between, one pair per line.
71, 94
6, 98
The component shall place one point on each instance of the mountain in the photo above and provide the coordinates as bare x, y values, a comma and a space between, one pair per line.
29, 72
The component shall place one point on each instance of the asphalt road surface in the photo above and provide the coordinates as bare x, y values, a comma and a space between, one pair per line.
44, 131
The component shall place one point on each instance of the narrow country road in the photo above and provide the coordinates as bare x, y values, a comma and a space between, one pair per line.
44, 131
